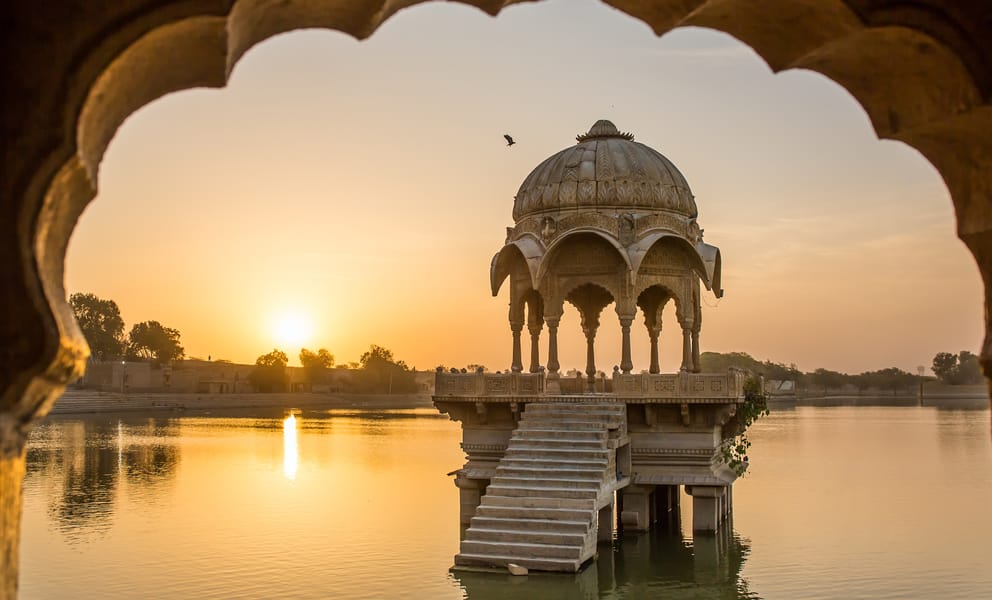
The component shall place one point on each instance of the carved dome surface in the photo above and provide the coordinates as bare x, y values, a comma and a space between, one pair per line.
605, 169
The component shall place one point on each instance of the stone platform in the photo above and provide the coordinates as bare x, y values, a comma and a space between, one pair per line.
538, 487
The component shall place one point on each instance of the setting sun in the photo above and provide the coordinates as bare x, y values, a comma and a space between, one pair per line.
292, 329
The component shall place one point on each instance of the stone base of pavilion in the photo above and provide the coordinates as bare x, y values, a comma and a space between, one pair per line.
660, 432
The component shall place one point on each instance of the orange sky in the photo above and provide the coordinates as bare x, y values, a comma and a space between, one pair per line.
364, 187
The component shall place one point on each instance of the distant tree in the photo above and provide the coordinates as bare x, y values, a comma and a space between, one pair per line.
969, 369
960, 369
863, 382
101, 323
150, 340
475, 368
382, 373
827, 379
315, 364
269, 374
945, 366
717, 362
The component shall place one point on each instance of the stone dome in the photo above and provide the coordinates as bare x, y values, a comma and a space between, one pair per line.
606, 169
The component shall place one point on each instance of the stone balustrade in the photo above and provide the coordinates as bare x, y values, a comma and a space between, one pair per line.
676, 387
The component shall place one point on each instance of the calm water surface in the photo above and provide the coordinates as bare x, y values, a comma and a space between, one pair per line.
846, 502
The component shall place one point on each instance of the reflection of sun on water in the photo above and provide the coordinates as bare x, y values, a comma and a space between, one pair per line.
291, 451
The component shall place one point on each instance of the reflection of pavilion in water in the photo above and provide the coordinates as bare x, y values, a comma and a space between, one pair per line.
553, 461
87, 461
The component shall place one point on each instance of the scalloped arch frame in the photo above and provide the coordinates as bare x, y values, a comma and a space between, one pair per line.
921, 70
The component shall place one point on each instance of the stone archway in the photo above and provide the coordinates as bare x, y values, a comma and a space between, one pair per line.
922, 70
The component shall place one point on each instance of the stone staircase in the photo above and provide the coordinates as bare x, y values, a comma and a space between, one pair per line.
540, 511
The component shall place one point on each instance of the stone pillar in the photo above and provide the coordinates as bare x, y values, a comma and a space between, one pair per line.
590, 357
655, 364
535, 349
686, 349
605, 532
666, 502
706, 515
11, 481
636, 515
517, 365
553, 366
470, 493
695, 350
626, 364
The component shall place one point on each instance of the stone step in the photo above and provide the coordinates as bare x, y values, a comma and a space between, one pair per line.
557, 409
521, 549
537, 442
535, 564
525, 536
537, 502
546, 482
575, 415
553, 462
558, 433
591, 424
557, 453
535, 491
533, 513
519, 523
556, 470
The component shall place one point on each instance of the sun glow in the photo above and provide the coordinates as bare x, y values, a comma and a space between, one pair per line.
292, 329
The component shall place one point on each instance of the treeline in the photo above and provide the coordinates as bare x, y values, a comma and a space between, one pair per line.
102, 326
951, 369
377, 372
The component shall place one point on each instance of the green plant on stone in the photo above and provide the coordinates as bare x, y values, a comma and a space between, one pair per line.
755, 406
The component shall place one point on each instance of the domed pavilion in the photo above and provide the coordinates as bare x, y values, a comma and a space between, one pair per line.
552, 463
608, 220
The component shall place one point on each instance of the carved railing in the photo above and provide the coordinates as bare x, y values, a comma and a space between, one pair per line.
728, 386
488, 384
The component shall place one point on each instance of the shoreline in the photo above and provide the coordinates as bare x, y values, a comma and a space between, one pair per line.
77, 403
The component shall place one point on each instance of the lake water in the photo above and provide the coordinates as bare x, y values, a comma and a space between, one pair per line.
842, 502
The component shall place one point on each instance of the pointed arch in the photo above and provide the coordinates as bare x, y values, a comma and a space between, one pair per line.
528, 249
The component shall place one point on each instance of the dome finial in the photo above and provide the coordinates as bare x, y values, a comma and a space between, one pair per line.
603, 129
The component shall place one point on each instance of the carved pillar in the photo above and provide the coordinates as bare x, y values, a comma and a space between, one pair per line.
535, 350
535, 323
626, 364
590, 357
652, 301
552, 384
695, 350
517, 365
655, 364
686, 349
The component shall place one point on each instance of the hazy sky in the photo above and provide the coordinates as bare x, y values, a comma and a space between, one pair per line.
363, 187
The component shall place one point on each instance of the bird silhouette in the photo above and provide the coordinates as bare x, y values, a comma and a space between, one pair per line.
509, 140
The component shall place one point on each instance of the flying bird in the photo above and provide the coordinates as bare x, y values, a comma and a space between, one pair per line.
509, 140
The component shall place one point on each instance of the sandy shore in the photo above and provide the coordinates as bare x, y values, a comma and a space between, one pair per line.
82, 402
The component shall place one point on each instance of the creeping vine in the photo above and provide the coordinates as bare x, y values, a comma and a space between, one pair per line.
755, 406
